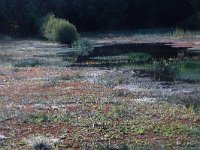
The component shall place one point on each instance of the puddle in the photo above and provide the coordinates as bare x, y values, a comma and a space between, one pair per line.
157, 50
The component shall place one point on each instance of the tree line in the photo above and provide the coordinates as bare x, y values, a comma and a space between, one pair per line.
22, 17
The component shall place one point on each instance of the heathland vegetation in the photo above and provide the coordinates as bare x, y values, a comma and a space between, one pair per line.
123, 86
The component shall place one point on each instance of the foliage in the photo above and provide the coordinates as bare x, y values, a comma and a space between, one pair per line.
140, 57
59, 30
19, 17
169, 130
165, 71
83, 48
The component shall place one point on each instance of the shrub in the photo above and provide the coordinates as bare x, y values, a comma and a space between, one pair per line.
59, 30
165, 71
84, 48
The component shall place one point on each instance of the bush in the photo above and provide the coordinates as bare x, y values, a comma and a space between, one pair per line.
59, 30
84, 47
166, 71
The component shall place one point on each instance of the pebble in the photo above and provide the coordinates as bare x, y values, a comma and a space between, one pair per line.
2, 137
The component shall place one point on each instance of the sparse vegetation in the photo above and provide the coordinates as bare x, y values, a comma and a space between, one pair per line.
115, 107
27, 63
51, 82
129, 81
72, 76
44, 118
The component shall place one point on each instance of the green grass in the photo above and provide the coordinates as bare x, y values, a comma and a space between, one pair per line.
186, 70
169, 129
130, 58
146, 66
189, 70
140, 57
189, 64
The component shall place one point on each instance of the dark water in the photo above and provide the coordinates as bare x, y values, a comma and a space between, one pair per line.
157, 50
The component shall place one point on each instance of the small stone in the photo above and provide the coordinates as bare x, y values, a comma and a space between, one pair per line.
2, 137
197, 120
43, 146
55, 108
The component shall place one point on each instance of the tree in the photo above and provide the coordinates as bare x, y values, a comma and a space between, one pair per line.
21, 16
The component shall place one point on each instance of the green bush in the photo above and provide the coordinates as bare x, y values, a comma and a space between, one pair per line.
84, 47
59, 30
165, 71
